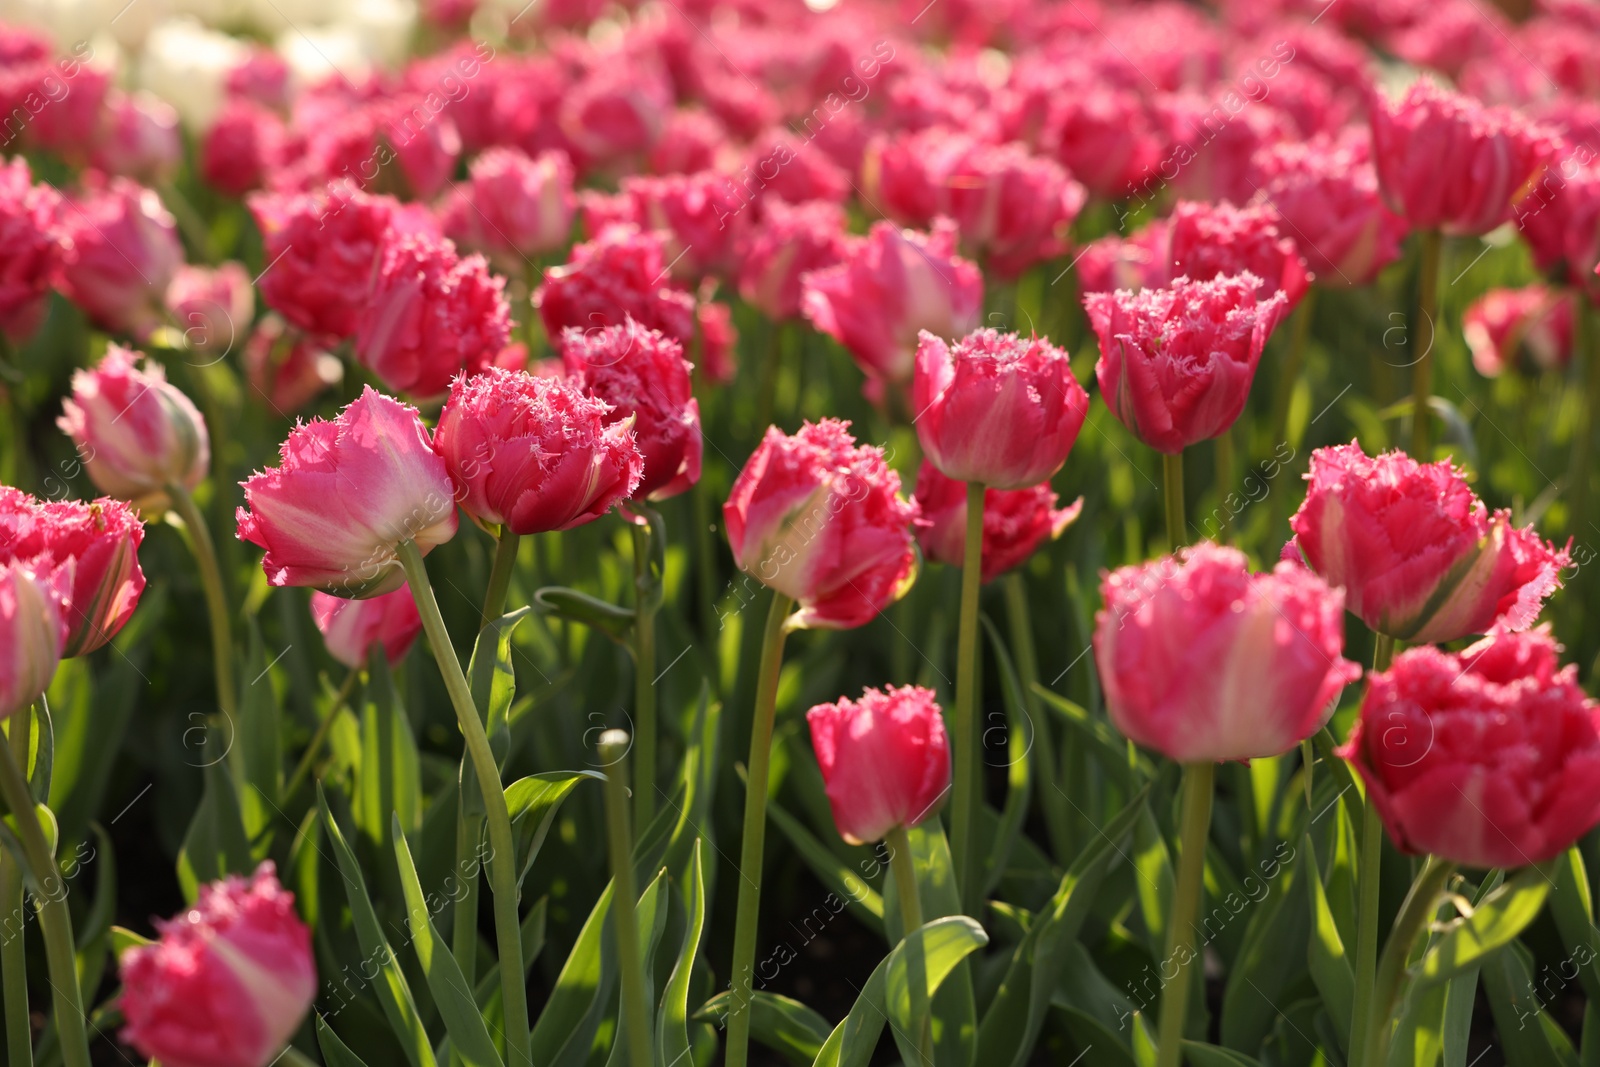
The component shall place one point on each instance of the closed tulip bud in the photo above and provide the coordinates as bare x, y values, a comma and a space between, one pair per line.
821, 520
344, 495
350, 628
136, 433
33, 630
885, 760
229, 981
1204, 661
1489, 757
1176, 362
98, 543
125, 252
1015, 521
535, 454
997, 408
1419, 556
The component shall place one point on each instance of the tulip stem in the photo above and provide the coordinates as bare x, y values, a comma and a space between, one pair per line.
50, 898
1172, 485
968, 793
205, 555
1058, 824
904, 866
1369, 871
505, 564
644, 681
1422, 373
1420, 904
13, 950
302, 769
1587, 352
748, 910
1197, 787
503, 854
624, 898
1292, 362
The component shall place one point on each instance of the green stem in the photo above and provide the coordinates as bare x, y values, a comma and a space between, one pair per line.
1058, 822
503, 861
55, 920
1293, 360
205, 555
1420, 904
293, 1057
705, 568
1583, 445
1172, 487
13, 950
1369, 878
635, 1019
644, 679
903, 864
1197, 784
967, 794
505, 564
302, 769
1422, 373
748, 910
1227, 477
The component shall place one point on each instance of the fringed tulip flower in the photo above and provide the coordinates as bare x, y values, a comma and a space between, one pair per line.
996, 408
892, 285
125, 250
430, 315
1203, 661
344, 496
820, 519
1418, 555
320, 251
1219, 240
33, 251
245, 145
136, 432
33, 631
789, 242
1176, 362
1142, 261
1448, 163
286, 369
1529, 329
513, 207
700, 214
622, 273
228, 982
212, 306
1106, 138
138, 138
885, 760
643, 376
1015, 521
535, 454
350, 628
98, 547
1489, 757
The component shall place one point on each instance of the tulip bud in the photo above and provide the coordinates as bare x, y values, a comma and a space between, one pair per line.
1204, 661
350, 627
1488, 757
885, 760
126, 249
33, 630
1015, 521
344, 496
136, 432
996, 409
1418, 555
212, 306
821, 520
229, 980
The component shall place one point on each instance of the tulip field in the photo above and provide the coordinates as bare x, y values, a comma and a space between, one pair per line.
824, 533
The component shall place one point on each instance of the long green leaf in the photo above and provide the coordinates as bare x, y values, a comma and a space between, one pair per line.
830, 870
672, 1020
334, 1051
1330, 967
390, 780
584, 980
1019, 789
533, 802
1503, 915
216, 843
785, 1026
1573, 908
1529, 1037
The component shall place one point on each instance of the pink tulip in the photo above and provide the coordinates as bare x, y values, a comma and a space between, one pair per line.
1176, 363
1418, 555
350, 628
513, 207
1015, 521
700, 215
138, 138
1141, 261
622, 273
320, 253
1448, 163
1489, 757
821, 520
33, 250
135, 431
1219, 240
345, 494
96, 544
535, 454
1204, 661
212, 306
1529, 328
287, 370
892, 285
885, 760
228, 982
125, 252
789, 242
616, 111
34, 605
243, 147
1105, 137
643, 376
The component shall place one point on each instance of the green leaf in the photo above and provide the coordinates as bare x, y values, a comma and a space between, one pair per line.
574, 606
1573, 910
1203, 1055
785, 1026
830, 870
533, 802
44, 751
394, 994
1266, 968
584, 981
122, 939
334, 1051
1020, 738
943, 943
1109, 747
259, 741
390, 780
672, 1019
652, 919
216, 843
1154, 881
954, 1009
1503, 915
1529, 1037
1436, 1019
491, 674
452, 994
1330, 967
902, 999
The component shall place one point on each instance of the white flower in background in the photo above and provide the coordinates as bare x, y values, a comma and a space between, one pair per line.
384, 26
316, 53
187, 65
72, 21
